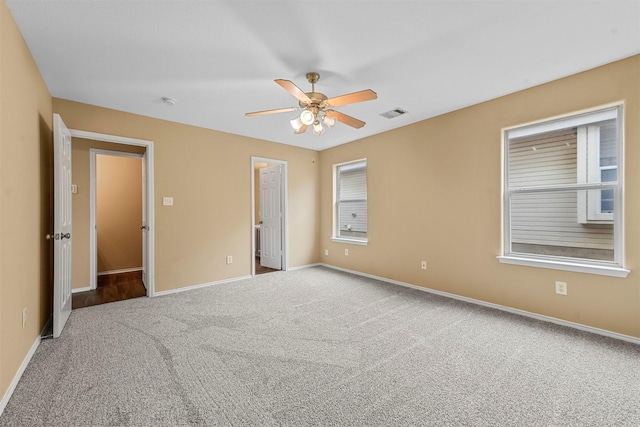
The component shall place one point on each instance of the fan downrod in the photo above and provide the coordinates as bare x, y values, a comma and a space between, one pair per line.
317, 98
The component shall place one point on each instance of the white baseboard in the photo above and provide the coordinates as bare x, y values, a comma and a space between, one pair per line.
203, 285
300, 267
76, 290
18, 375
524, 313
124, 270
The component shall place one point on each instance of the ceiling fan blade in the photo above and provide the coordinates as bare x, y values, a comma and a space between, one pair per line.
302, 129
294, 90
278, 110
347, 120
352, 98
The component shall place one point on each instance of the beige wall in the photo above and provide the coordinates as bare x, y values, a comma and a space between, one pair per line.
119, 212
25, 199
80, 152
435, 195
209, 176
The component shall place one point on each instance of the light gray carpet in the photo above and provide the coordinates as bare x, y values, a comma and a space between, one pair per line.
320, 347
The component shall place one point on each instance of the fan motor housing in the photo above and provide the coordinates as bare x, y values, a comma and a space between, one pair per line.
317, 98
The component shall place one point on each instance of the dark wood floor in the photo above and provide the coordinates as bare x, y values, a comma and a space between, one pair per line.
112, 287
123, 286
260, 269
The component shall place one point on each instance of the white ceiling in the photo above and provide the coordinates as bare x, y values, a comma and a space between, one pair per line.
218, 59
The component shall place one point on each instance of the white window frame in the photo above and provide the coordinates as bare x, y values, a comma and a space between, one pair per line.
336, 212
609, 268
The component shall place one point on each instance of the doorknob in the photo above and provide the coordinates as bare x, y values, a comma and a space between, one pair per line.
144, 227
65, 236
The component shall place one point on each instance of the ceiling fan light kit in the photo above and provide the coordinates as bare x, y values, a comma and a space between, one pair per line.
315, 107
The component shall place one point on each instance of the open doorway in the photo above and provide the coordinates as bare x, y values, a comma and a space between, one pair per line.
269, 215
113, 218
116, 233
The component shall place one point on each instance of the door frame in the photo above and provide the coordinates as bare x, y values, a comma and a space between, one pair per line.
284, 206
93, 201
148, 161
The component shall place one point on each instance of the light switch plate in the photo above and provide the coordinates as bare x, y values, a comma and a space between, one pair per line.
167, 201
561, 288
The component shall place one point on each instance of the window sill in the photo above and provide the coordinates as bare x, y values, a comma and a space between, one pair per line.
566, 266
350, 241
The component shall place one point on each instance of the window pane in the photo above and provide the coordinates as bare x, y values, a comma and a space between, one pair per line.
546, 223
353, 185
606, 201
353, 218
543, 159
608, 175
608, 144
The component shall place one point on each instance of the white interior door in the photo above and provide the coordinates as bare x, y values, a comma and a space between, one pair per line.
61, 225
271, 217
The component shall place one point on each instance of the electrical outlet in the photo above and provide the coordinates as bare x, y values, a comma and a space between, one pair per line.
229, 259
346, 252
326, 252
24, 317
561, 288
423, 265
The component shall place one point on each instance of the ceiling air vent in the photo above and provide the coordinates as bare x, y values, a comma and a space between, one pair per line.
394, 113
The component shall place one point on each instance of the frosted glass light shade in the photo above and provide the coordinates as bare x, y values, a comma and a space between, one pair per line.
329, 121
317, 128
307, 117
296, 124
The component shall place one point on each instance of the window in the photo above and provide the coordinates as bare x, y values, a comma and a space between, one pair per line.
563, 193
350, 194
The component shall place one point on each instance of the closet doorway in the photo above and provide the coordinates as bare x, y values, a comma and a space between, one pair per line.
116, 224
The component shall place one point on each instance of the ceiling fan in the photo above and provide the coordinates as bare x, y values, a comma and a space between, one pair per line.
317, 107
